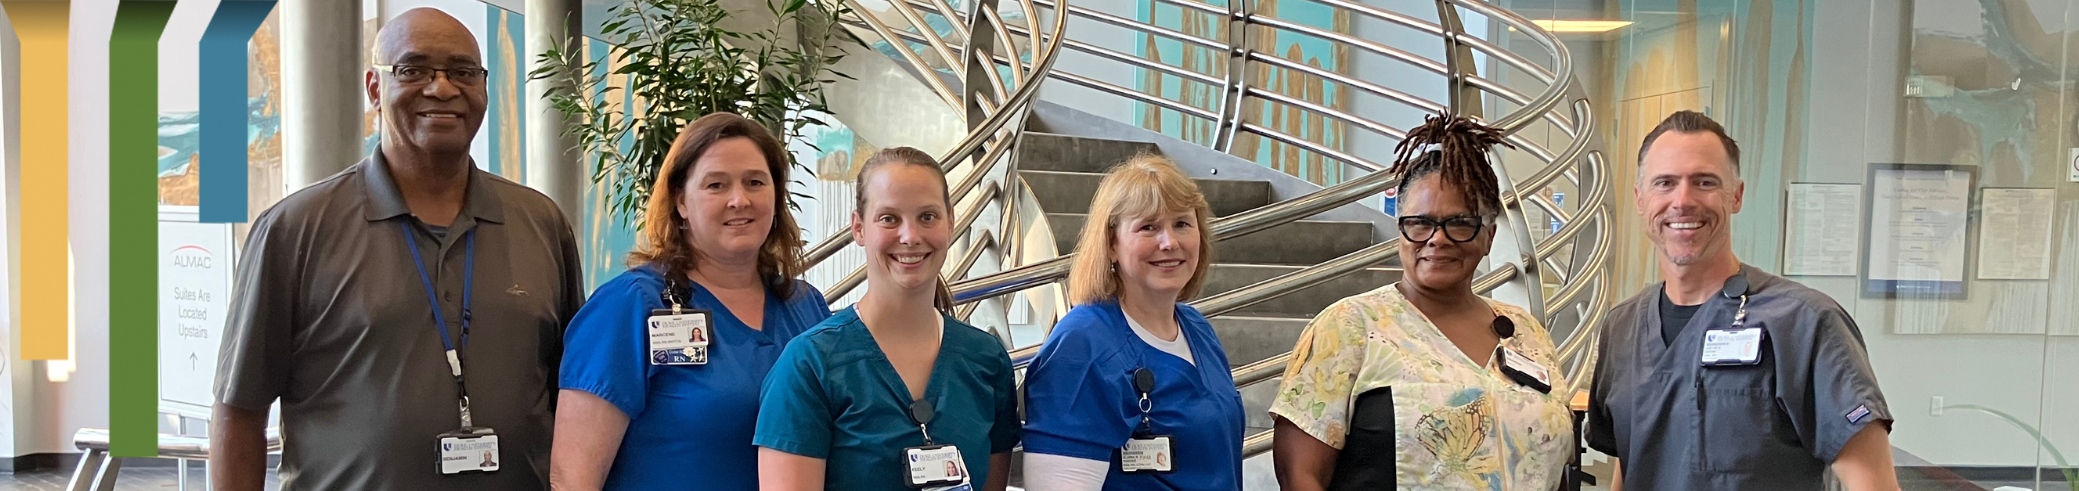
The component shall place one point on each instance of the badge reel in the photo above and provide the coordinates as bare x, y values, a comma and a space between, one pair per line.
1517, 367
1145, 451
679, 336
1738, 345
933, 467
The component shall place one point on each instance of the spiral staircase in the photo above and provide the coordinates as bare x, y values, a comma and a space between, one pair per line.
1287, 247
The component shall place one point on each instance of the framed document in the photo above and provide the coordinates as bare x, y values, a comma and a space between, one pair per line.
1820, 237
1916, 230
2016, 222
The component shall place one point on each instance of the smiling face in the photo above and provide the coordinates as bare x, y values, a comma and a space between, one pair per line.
436, 116
1440, 263
904, 224
1687, 192
1156, 255
728, 201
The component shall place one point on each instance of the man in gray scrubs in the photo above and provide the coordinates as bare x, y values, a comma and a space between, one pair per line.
408, 312
1724, 377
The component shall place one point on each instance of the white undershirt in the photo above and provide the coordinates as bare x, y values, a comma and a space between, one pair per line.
1044, 472
1181, 347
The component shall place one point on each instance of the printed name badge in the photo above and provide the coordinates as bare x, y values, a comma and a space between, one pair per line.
936, 468
1148, 454
679, 339
475, 451
1732, 346
1525, 371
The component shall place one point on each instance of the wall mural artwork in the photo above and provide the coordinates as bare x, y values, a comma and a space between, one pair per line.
1312, 51
1991, 91
505, 123
179, 139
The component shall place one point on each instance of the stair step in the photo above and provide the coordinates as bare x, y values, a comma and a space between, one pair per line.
1303, 303
1070, 192
1047, 151
1250, 339
1297, 242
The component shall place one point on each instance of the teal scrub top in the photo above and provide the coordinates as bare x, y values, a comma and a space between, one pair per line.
834, 395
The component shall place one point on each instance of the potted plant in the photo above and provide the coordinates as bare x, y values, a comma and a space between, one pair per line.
681, 64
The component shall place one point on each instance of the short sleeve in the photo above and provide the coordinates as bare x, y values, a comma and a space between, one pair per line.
1072, 402
254, 358
605, 350
1005, 434
1841, 384
1601, 436
793, 409
1315, 392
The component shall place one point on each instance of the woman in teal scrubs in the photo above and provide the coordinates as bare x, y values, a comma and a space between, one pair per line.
651, 399
892, 394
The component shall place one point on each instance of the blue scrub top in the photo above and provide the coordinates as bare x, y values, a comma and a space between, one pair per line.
835, 396
1080, 401
689, 426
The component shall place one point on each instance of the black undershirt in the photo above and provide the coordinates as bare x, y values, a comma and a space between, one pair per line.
1673, 317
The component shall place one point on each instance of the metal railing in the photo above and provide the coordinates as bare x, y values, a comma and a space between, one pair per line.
1575, 275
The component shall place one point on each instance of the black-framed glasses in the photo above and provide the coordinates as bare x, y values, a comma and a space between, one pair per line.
416, 74
1459, 228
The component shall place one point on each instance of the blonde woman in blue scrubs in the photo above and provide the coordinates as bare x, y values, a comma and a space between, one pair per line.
1130, 344
892, 394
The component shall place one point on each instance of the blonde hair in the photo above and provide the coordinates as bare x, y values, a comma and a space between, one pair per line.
943, 300
663, 241
1144, 185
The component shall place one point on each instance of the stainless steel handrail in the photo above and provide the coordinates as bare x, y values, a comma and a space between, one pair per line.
1046, 50
1586, 276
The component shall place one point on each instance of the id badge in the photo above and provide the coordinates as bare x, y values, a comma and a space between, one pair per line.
935, 468
1526, 371
1152, 453
1732, 346
680, 339
468, 451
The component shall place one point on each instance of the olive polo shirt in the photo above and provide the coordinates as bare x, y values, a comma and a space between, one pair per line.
328, 314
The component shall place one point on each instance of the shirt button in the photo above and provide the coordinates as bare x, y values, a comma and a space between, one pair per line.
450, 296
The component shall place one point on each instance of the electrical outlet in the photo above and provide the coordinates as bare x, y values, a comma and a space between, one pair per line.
1934, 407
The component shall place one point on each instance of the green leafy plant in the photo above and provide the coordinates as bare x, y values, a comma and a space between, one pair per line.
682, 64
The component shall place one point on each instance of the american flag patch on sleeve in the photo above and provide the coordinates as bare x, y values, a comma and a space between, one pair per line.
1860, 413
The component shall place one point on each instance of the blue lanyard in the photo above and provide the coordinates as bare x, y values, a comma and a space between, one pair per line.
440, 320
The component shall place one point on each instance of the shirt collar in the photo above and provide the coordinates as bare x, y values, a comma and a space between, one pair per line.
385, 201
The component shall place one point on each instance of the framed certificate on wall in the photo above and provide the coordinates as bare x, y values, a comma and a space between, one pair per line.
1916, 230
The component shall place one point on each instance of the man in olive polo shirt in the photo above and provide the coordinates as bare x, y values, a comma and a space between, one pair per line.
371, 302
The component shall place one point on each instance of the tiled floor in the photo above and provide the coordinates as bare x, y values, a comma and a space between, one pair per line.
131, 478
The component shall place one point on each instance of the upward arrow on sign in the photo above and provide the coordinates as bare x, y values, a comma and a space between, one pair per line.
192, 359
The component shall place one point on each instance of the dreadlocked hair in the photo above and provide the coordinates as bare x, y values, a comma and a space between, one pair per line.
1454, 148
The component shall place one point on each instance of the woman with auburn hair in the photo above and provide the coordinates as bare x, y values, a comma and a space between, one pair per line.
687, 334
1133, 380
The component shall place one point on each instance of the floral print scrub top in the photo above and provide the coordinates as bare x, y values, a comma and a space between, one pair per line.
1459, 423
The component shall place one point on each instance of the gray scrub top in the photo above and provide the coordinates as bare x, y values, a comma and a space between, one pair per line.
1774, 425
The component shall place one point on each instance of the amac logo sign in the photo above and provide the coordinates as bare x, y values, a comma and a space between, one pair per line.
192, 257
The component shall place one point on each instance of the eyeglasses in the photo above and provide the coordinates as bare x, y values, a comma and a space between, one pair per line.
1459, 228
415, 74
